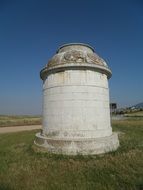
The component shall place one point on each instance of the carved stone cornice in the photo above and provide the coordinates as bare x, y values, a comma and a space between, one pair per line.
75, 56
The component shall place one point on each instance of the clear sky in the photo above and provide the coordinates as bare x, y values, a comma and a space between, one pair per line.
32, 30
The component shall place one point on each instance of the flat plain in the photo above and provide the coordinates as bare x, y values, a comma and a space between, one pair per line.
19, 120
21, 168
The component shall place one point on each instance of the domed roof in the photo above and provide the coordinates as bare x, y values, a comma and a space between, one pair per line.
76, 55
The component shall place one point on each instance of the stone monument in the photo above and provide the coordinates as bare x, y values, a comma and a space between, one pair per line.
76, 114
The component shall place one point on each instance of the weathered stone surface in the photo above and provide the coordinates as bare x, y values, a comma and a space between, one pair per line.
75, 56
78, 146
76, 115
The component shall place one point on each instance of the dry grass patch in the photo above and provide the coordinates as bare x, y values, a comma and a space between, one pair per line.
7, 121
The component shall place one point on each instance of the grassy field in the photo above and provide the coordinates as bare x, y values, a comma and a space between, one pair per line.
7, 121
135, 114
23, 169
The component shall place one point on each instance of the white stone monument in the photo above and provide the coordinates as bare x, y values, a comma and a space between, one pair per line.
76, 113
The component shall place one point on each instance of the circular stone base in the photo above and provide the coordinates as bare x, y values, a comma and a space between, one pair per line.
77, 146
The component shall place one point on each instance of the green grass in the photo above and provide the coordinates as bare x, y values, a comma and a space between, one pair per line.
7, 121
23, 169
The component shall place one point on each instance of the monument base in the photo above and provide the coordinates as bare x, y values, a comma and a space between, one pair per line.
77, 146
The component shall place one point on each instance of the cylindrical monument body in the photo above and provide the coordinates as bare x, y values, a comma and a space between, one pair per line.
76, 114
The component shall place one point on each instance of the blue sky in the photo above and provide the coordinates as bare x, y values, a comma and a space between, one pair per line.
32, 30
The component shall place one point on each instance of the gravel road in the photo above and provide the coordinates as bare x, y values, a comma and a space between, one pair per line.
19, 128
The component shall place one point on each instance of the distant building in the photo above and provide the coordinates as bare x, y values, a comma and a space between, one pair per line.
113, 107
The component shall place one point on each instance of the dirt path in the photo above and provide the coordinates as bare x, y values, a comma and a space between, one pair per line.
19, 128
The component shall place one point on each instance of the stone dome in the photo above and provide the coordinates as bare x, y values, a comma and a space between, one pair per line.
76, 55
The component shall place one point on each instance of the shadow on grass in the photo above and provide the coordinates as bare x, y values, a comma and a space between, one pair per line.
5, 187
32, 150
